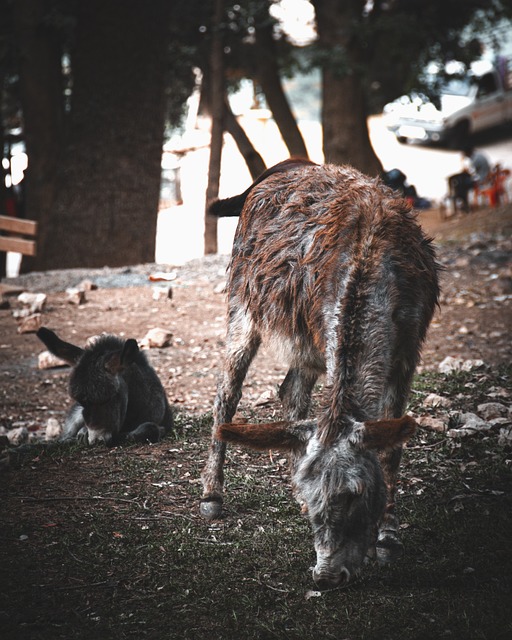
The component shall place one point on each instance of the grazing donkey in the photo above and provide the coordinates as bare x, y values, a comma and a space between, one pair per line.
119, 397
333, 267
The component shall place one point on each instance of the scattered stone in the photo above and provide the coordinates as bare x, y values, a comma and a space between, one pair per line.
34, 301
220, 287
160, 292
30, 324
87, 285
47, 360
435, 400
156, 338
497, 423
53, 430
451, 364
505, 437
19, 314
265, 398
497, 392
18, 436
435, 424
468, 424
75, 296
489, 410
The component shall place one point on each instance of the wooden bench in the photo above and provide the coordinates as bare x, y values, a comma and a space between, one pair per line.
20, 236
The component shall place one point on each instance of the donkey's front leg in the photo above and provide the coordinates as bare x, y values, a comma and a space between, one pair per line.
389, 547
243, 343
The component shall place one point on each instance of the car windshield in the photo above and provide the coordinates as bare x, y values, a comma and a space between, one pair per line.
457, 86
451, 85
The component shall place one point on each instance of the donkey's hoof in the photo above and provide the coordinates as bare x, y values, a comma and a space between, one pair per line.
211, 508
389, 547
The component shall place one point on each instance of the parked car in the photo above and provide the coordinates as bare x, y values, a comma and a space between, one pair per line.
471, 100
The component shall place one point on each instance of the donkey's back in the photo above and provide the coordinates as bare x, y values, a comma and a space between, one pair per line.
322, 253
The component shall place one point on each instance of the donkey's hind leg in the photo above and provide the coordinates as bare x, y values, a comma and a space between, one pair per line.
243, 342
295, 393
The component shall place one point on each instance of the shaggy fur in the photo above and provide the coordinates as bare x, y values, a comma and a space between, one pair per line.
332, 267
118, 395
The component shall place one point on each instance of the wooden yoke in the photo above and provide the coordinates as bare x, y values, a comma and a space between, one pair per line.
14, 241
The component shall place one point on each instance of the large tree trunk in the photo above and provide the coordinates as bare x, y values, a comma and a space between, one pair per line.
344, 115
40, 60
106, 194
269, 78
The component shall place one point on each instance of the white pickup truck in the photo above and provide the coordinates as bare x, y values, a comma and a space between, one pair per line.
470, 101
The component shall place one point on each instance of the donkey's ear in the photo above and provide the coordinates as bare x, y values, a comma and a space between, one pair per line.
388, 434
118, 360
63, 350
129, 352
285, 436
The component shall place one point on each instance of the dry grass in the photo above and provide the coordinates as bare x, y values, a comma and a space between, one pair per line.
107, 544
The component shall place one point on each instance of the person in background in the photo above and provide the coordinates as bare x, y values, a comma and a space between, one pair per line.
477, 165
475, 173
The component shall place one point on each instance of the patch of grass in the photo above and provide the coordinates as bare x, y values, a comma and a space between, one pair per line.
109, 544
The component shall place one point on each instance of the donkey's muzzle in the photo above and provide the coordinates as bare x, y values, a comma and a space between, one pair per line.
325, 580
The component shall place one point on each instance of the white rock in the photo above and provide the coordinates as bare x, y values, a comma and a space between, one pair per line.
469, 365
30, 324
35, 301
450, 364
18, 436
505, 436
470, 425
489, 410
432, 423
87, 285
75, 296
220, 287
53, 429
156, 338
47, 360
265, 398
435, 400
160, 292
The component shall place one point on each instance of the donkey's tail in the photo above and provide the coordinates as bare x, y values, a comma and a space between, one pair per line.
229, 207
233, 206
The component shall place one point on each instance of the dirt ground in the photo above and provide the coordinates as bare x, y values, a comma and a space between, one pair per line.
108, 543
474, 321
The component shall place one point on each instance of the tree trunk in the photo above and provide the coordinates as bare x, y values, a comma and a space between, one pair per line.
42, 96
252, 158
270, 81
344, 116
216, 102
106, 192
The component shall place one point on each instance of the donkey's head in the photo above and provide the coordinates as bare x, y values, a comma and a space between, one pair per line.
340, 484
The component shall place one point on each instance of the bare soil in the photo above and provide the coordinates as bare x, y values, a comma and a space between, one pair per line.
474, 321
62, 509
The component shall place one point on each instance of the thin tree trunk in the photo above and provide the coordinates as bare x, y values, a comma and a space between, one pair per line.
269, 78
252, 158
216, 86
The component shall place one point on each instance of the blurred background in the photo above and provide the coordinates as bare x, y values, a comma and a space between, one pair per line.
121, 121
